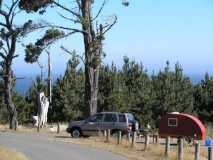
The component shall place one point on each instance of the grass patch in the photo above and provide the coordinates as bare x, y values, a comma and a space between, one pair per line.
6, 154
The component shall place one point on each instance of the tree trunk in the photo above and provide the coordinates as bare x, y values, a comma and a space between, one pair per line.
91, 88
8, 97
92, 57
91, 84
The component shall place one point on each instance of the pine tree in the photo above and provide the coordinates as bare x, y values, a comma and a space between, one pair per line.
204, 98
173, 92
68, 92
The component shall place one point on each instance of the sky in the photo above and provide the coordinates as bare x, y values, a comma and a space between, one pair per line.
148, 31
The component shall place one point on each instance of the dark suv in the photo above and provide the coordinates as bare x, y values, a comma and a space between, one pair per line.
102, 121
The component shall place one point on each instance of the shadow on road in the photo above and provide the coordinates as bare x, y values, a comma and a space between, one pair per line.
62, 136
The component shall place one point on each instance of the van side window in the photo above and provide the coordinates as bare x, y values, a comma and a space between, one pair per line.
110, 118
96, 118
122, 118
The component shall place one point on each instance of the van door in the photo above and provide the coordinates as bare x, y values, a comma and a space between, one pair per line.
109, 122
92, 125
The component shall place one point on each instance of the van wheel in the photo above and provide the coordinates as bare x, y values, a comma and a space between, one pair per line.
76, 133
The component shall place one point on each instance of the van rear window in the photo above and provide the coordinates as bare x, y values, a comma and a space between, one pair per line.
122, 118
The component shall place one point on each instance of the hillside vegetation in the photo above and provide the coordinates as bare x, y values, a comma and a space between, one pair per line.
126, 89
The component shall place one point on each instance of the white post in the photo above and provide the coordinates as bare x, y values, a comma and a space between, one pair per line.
58, 128
133, 139
119, 137
146, 140
108, 135
180, 148
197, 151
167, 149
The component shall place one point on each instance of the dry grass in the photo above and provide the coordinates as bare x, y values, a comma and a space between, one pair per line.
6, 154
22, 129
154, 152
26, 129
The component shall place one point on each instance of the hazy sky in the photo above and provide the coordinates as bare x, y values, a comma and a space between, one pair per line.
151, 31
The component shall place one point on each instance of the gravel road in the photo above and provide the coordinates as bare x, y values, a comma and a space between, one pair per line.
39, 147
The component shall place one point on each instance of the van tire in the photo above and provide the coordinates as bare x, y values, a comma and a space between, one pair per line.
76, 132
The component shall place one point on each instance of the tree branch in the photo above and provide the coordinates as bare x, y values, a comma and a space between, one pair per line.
13, 6
8, 43
66, 28
5, 51
15, 56
14, 14
3, 13
66, 9
108, 27
100, 10
0, 4
2, 24
2, 55
70, 19
71, 53
31, 28
79, 5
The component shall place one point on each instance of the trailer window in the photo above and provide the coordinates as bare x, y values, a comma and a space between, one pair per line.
172, 122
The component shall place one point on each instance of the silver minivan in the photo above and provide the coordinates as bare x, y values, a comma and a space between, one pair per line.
115, 121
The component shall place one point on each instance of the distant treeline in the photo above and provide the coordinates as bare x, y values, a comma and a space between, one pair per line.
129, 89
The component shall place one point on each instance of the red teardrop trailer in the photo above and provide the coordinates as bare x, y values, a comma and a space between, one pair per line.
181, 125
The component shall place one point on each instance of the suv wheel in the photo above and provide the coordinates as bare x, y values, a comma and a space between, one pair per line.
76, 133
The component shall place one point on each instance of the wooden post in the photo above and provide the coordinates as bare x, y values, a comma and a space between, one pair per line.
16, 125
100, 133
167, 146
210, 153
108, 135
128, 136
133, 139
38, 128
118, 137
58, 127
197, 151
180, 148
105, 133
146, 141
153, 138
157, 138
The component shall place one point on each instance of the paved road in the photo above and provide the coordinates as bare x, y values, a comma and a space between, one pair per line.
38, 147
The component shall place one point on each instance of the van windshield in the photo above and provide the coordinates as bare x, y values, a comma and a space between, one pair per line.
130, 117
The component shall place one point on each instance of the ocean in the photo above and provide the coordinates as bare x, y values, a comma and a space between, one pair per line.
23, 85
